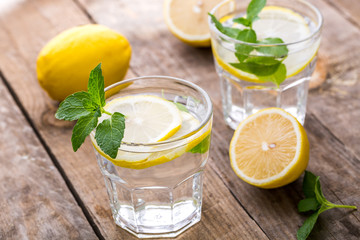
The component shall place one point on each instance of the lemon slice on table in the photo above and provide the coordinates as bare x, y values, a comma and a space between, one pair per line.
269, 149
187, 20
274, 22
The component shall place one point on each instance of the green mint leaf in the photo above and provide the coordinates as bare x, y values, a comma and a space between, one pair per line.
181, 107
247, 35
318, 193
231, 32
309, 184
305, 230
109, 134
276, 51
72, 108
243, 50
243, 21
83, 128
240, 56
254, 8
259, 66
308, 204
203, 146
277, 77
96, 86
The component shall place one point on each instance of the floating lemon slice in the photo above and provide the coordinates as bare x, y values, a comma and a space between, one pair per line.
274, 22
269, 149
149, 112
187, 20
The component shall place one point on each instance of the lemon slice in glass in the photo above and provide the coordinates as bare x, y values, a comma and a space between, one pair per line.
274, 22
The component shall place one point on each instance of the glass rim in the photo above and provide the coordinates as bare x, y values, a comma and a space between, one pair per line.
207, 118
311, 6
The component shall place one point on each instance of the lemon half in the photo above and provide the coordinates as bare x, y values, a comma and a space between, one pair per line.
187, 20
269, 149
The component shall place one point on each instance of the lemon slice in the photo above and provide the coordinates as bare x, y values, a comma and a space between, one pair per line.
269, 149
148, 119
147, 156
187, 20
274, 22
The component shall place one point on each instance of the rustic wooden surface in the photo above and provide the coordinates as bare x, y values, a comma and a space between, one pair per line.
49, 192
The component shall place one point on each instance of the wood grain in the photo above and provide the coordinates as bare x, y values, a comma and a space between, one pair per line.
330, 111
35, 201
40, 20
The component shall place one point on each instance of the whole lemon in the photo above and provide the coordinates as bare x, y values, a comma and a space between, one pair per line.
64, 64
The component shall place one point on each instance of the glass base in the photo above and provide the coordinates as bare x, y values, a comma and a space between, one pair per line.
166, 231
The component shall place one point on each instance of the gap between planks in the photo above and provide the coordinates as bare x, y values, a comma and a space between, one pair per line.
53, 158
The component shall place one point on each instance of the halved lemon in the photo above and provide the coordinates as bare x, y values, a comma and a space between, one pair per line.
274, 22
269, 149
187, 20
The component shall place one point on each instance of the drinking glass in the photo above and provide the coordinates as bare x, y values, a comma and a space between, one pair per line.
162, 198
243, 93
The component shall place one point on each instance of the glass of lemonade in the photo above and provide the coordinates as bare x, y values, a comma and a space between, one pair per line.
244, 88
155, 188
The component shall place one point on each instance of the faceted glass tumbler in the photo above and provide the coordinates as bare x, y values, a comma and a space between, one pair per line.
244, 94
162, 199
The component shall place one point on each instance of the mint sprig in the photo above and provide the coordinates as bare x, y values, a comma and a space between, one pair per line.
267, 65
314, 201
87, 107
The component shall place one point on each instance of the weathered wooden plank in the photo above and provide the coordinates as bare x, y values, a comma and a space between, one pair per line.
35, 201
274, 210
336, 104
349, 8
223, 218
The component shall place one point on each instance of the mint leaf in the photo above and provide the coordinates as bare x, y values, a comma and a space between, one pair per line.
276, 51
318, 192
247, 35
243, 21
243, 50
308, 204
305, 230
181, 107
259, 66
72, 108
315, 199
231, 32
96, 86
83, 128
203, 146
309, 184
109, 134
254, 8
277, 77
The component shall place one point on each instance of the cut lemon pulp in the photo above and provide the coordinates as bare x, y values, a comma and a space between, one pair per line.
151, 119
274, 22
269, 149
187, 20
148, 119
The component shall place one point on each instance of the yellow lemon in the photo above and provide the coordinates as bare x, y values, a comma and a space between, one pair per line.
63, 65
187, 20
269, 149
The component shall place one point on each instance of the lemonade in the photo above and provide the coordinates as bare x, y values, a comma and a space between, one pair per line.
155, 181
246, 85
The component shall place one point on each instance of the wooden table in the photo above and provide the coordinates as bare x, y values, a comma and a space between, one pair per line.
49, 192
